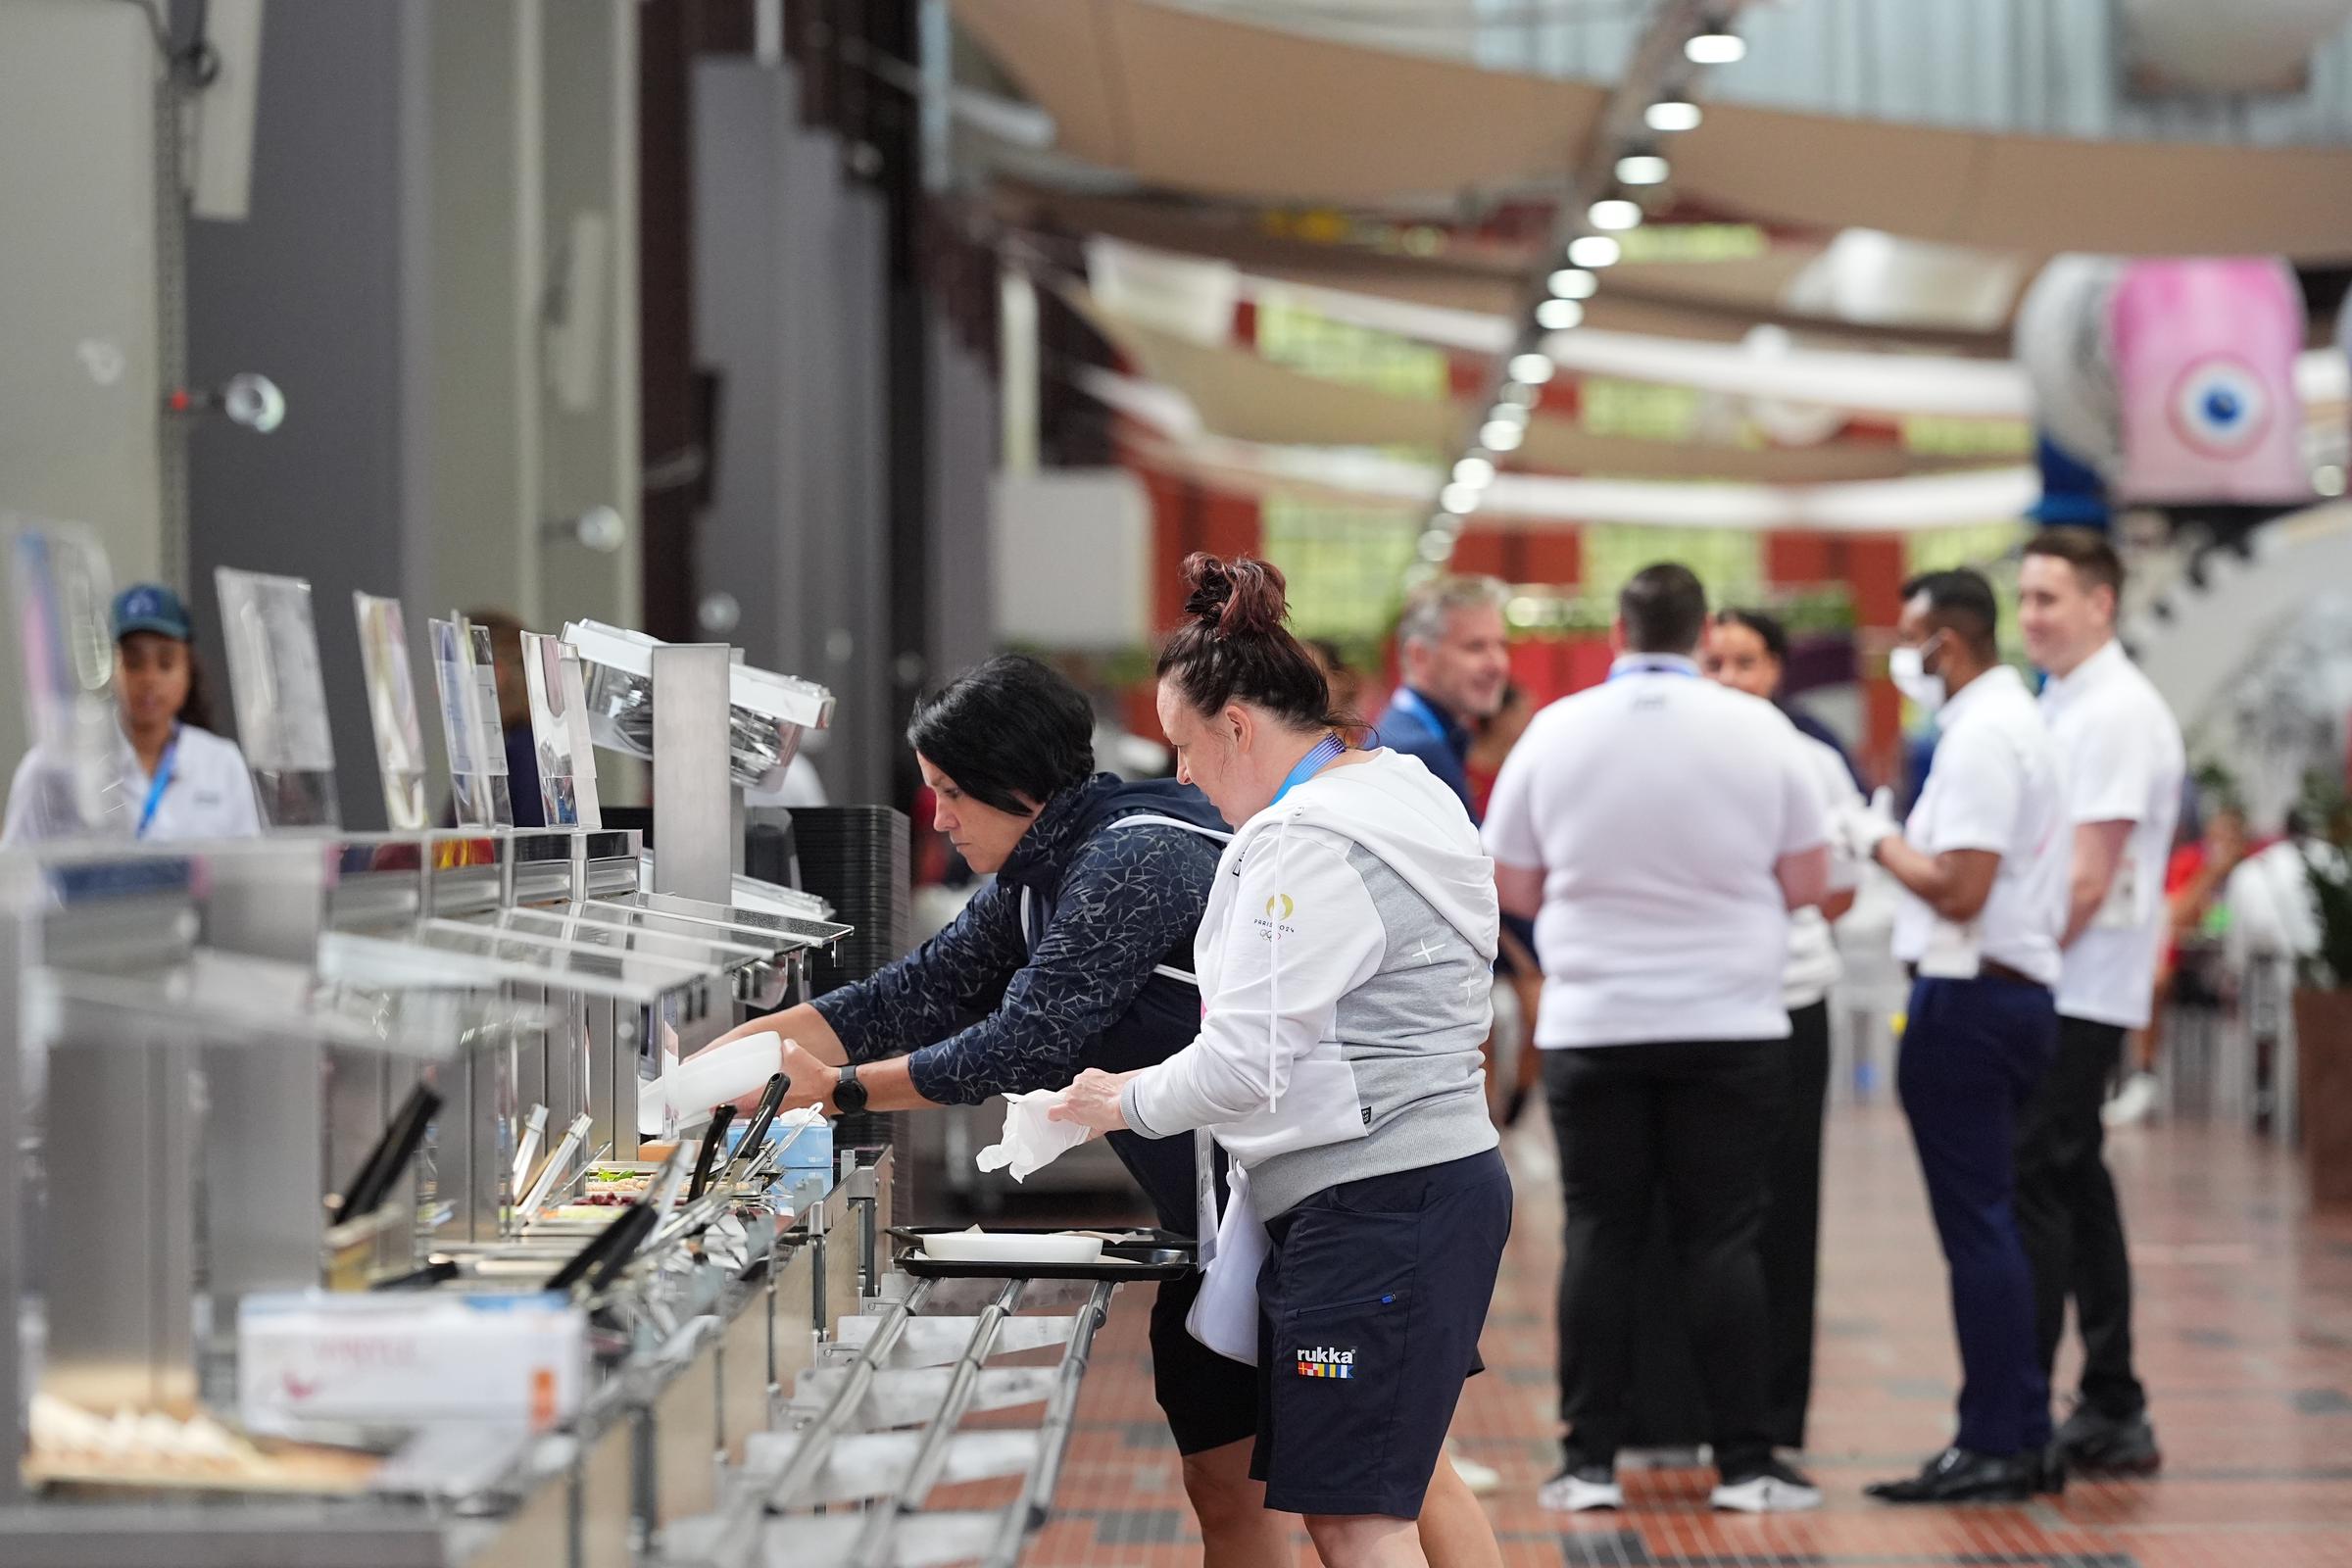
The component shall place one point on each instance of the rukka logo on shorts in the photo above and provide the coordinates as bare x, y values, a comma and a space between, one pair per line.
1325, 1361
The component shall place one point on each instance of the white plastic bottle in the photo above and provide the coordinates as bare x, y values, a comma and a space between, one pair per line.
713, 1077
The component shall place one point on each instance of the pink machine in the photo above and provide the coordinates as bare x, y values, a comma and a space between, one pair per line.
2205, 352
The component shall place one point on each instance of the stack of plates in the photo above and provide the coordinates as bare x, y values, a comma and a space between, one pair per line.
856, 859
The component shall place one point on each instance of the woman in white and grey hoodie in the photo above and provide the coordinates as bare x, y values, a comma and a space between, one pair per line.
1345, 961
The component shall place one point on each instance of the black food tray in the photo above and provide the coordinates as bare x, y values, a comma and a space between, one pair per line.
1152, 1255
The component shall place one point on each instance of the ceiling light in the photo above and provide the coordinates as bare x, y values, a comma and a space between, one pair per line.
1716, 49
1459, 498
1501, 435
1508, 411
1572, 284
1515, 398
1557, 316
1595, 250
1671, 116
1642, 168
1531, 368
1436, 546
1616, 214
1475, 472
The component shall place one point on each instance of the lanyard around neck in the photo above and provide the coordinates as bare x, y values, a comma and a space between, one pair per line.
161, 782
1653, 669
1313, 762
1407, 698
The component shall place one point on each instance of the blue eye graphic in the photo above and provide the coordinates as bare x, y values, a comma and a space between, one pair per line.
2219, 406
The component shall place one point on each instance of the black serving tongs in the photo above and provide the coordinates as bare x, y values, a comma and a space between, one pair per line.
714, 1138
401, 1136
609, 1252
754, 1136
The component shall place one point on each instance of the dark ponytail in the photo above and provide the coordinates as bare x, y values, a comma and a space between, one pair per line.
1233, 646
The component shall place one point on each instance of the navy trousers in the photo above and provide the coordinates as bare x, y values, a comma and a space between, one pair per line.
1972, 1054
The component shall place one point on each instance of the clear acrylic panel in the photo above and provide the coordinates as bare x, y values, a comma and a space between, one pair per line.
392, 709
62, 592
478, 772
559, 733
280, 696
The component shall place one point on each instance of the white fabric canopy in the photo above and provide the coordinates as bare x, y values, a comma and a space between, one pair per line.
1891, 506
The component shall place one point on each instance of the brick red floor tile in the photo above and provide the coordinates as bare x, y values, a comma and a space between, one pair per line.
2244, 1326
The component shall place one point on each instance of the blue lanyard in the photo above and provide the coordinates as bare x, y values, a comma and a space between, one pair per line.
160, 783
1329, 747
1653, 669
1408, 698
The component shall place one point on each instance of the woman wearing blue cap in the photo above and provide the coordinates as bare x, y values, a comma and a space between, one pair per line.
179, 780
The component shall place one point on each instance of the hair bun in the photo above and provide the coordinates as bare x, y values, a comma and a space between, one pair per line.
1240, 597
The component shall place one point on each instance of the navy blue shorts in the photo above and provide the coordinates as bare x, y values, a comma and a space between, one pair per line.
1209, 1402
1369, 1311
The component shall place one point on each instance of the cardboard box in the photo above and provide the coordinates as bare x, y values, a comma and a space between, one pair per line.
404, 1360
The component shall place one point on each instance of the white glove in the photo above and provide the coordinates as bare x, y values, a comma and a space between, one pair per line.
1031, 1141
1865, 828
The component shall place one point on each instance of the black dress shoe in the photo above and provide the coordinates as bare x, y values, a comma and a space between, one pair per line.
2094, 1443
1958, 1476
2050, 1471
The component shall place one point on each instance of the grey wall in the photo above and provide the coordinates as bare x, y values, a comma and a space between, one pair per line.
79, 388
309, 291
789, 308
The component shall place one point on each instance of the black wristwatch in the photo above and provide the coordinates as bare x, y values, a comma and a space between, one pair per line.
849, 1095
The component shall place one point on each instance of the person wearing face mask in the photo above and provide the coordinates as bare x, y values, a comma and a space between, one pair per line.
2125, 766
178, 779
1456, 664
1748, 650
1983, 862
1346, 964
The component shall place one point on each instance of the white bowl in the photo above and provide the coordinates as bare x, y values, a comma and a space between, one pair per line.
1001, 1246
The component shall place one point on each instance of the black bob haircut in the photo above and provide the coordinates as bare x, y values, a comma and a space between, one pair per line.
1963, 601
1768, 629
1664, 609
1010, 732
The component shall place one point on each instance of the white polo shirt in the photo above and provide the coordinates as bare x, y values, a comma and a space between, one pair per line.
209, 794
1996, 784
2125, 763
1657, 806
1813, 963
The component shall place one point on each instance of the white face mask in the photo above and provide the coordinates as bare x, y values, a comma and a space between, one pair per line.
1907, 668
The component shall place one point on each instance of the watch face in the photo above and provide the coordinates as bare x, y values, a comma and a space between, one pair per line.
849, 1095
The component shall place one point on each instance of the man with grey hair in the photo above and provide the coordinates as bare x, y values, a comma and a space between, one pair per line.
1455, 662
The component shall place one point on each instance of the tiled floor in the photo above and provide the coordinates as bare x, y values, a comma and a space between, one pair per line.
2245, 1331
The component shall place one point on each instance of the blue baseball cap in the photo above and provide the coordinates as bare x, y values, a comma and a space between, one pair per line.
151, 606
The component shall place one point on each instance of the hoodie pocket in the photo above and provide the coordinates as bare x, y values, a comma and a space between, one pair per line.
1319, 1105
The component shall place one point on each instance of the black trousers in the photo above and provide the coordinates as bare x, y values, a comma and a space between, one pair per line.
2073, 1227
1694, 1120
1790, 1245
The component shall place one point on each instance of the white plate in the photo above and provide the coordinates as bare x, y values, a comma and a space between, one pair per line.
983, 1247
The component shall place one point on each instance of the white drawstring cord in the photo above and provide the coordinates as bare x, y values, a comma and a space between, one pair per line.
1274, 969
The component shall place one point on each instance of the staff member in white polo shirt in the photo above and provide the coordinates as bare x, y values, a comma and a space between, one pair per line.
1747, 651
178, 779
1659, 828
1983, 863
2125, 763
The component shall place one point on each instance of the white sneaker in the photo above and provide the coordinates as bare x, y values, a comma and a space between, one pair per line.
2132, 1102
1582, 1491
1775, 1488
1482, 1479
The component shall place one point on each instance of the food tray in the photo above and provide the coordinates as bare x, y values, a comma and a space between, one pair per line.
1150, 1255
